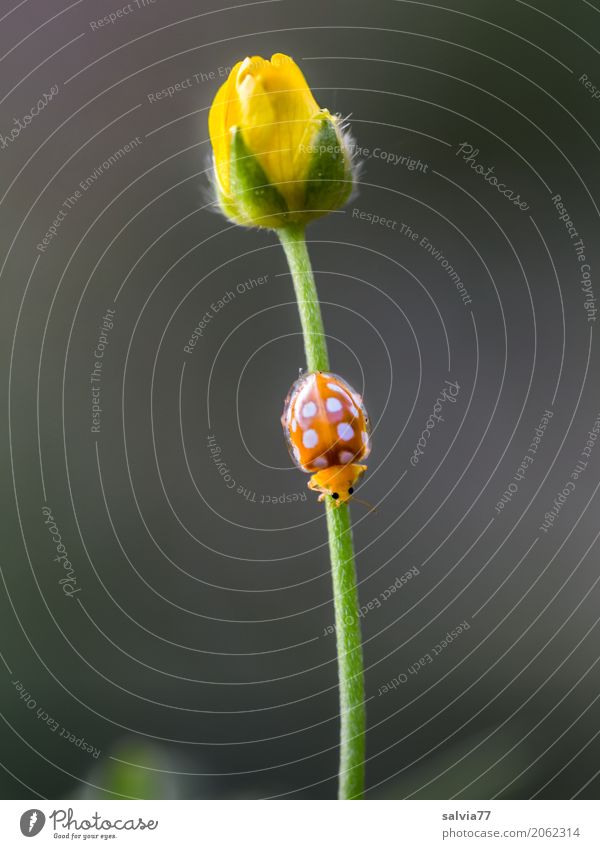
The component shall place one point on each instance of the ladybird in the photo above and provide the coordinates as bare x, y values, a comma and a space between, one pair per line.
327, 431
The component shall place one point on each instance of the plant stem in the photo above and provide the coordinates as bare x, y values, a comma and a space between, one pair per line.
341, 549
349, 650
315, 344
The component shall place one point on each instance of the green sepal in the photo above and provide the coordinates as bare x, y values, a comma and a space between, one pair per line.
258, 202
329, 178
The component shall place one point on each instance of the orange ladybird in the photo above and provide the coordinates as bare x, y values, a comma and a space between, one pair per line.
327, 431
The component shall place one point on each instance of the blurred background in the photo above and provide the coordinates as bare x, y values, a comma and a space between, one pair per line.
166, 621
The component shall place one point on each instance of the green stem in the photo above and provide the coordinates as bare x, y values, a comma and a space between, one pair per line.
349, 650
315, 344
341, 550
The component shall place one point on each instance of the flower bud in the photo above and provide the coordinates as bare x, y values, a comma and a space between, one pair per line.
278, 159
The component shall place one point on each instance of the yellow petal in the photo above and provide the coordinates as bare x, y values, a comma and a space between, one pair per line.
277, 115
223, 115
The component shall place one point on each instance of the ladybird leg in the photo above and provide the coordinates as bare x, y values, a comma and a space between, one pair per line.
316, 488
323, 492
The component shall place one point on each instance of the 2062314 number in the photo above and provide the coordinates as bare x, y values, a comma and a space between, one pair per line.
546, 831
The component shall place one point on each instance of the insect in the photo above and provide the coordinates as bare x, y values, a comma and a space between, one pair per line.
327, 431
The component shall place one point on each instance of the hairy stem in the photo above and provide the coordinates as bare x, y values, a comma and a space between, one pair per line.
341, 549
349, 650
315, 344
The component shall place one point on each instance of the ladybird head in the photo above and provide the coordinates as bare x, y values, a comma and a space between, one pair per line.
337, 482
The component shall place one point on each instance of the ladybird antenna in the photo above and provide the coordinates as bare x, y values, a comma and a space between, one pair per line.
372, 509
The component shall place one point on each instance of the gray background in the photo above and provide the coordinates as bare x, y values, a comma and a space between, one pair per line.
195, 647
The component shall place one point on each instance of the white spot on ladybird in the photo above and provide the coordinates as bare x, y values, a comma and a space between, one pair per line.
353, 410
310, 438
346, 457
294, 425
334, 405
345, 431
365, 437
339, 390
309, 410
320, 462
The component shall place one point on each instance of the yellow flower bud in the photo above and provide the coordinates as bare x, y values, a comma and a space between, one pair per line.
278, 159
